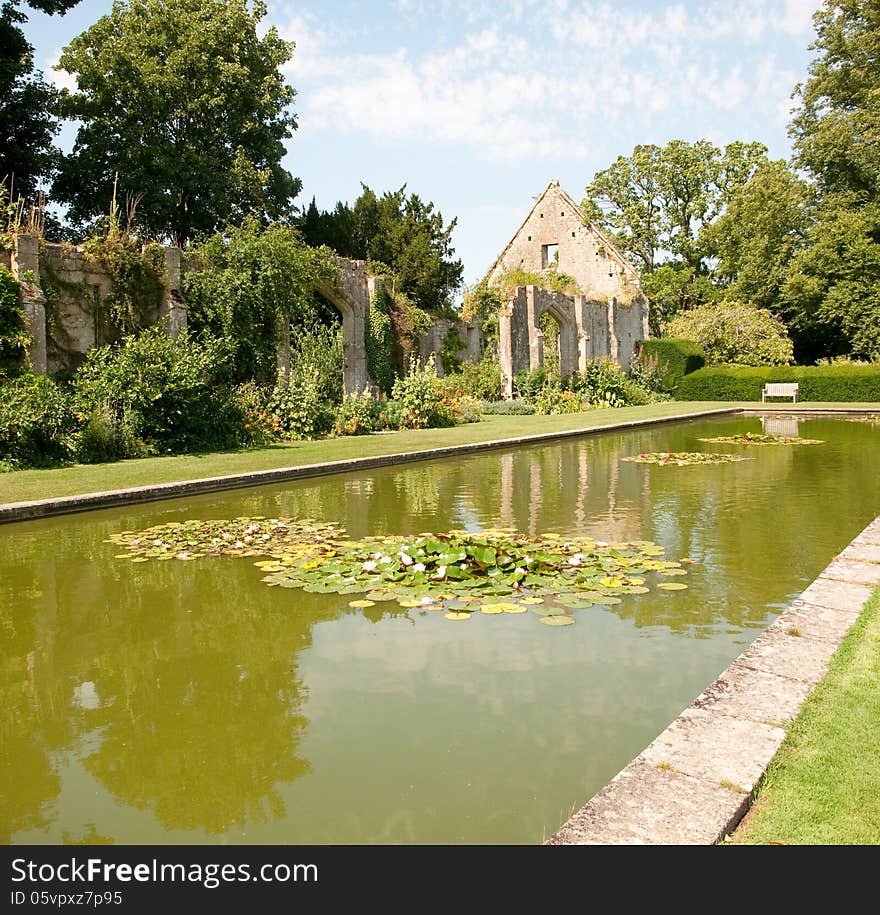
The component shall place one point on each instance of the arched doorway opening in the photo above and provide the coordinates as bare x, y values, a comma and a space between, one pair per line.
558, 336
316, 341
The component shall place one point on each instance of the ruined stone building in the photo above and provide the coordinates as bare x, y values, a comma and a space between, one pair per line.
603, 316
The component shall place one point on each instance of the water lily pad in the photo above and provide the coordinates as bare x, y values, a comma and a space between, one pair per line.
492, 609
457, 615
361, 603
672, 586
762, 438
683, 458
439, 571
556, 620
547, 610
673, 572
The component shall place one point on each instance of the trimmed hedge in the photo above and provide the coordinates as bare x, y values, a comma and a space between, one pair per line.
675, 358
820, 383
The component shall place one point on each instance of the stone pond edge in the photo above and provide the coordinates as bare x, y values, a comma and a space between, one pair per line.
694, 783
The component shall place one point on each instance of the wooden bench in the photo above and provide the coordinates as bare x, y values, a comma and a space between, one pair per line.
780, 389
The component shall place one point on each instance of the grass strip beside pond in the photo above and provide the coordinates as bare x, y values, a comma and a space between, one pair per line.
26, 485
823, 786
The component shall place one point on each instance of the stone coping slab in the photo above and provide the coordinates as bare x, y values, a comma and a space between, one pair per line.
44, 508
695, 781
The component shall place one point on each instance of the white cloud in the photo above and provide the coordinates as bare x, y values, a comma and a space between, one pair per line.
514, 91
797, 16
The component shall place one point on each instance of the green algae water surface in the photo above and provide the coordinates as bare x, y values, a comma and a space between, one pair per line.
176, 702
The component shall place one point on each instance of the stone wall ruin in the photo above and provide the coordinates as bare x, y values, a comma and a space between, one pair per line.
604, 315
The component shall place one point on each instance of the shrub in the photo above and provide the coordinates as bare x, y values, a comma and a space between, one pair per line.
358, 414
421, 398
250, 403
506, 408
553, 400
481, 380
318, 348
391, 415
669, 358
529, 383
159, 394
37, 419
106, 437
844, 383
300, 407
602, 383
734, 332
464, 409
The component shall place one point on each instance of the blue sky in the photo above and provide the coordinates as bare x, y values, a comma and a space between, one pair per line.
477, 105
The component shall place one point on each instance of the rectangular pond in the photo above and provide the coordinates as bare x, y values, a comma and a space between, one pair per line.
176, 702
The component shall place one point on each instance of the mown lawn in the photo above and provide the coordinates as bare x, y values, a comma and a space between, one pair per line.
25, 485
823, 786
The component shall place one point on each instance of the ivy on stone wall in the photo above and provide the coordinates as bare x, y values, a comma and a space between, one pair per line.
137, 277
137, 283
14, 336
550, 279
449, 351
380, 340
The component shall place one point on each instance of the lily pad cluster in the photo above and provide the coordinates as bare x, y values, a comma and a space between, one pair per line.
683, 458
457, 572
870, 418
762, 438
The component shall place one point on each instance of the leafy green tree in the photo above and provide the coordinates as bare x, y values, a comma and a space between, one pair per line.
832, 292
27, 122
401, 235
247, 280
836, 129
186, 103
831, 297
334, 228
765, 224
734, 332
657, 201
672, 288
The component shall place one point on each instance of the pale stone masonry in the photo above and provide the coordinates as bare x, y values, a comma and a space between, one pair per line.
693, 784
604, 318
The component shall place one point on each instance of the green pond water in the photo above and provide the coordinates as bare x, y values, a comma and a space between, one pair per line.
181, 702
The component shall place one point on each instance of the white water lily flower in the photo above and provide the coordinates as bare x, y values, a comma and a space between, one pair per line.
519, 570
419, 567
370, 566
385, 560
405, 558
379, 556
574, 560
601, 543
441, 572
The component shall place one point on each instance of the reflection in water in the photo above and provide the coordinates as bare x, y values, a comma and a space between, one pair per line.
780, 425
178, 702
